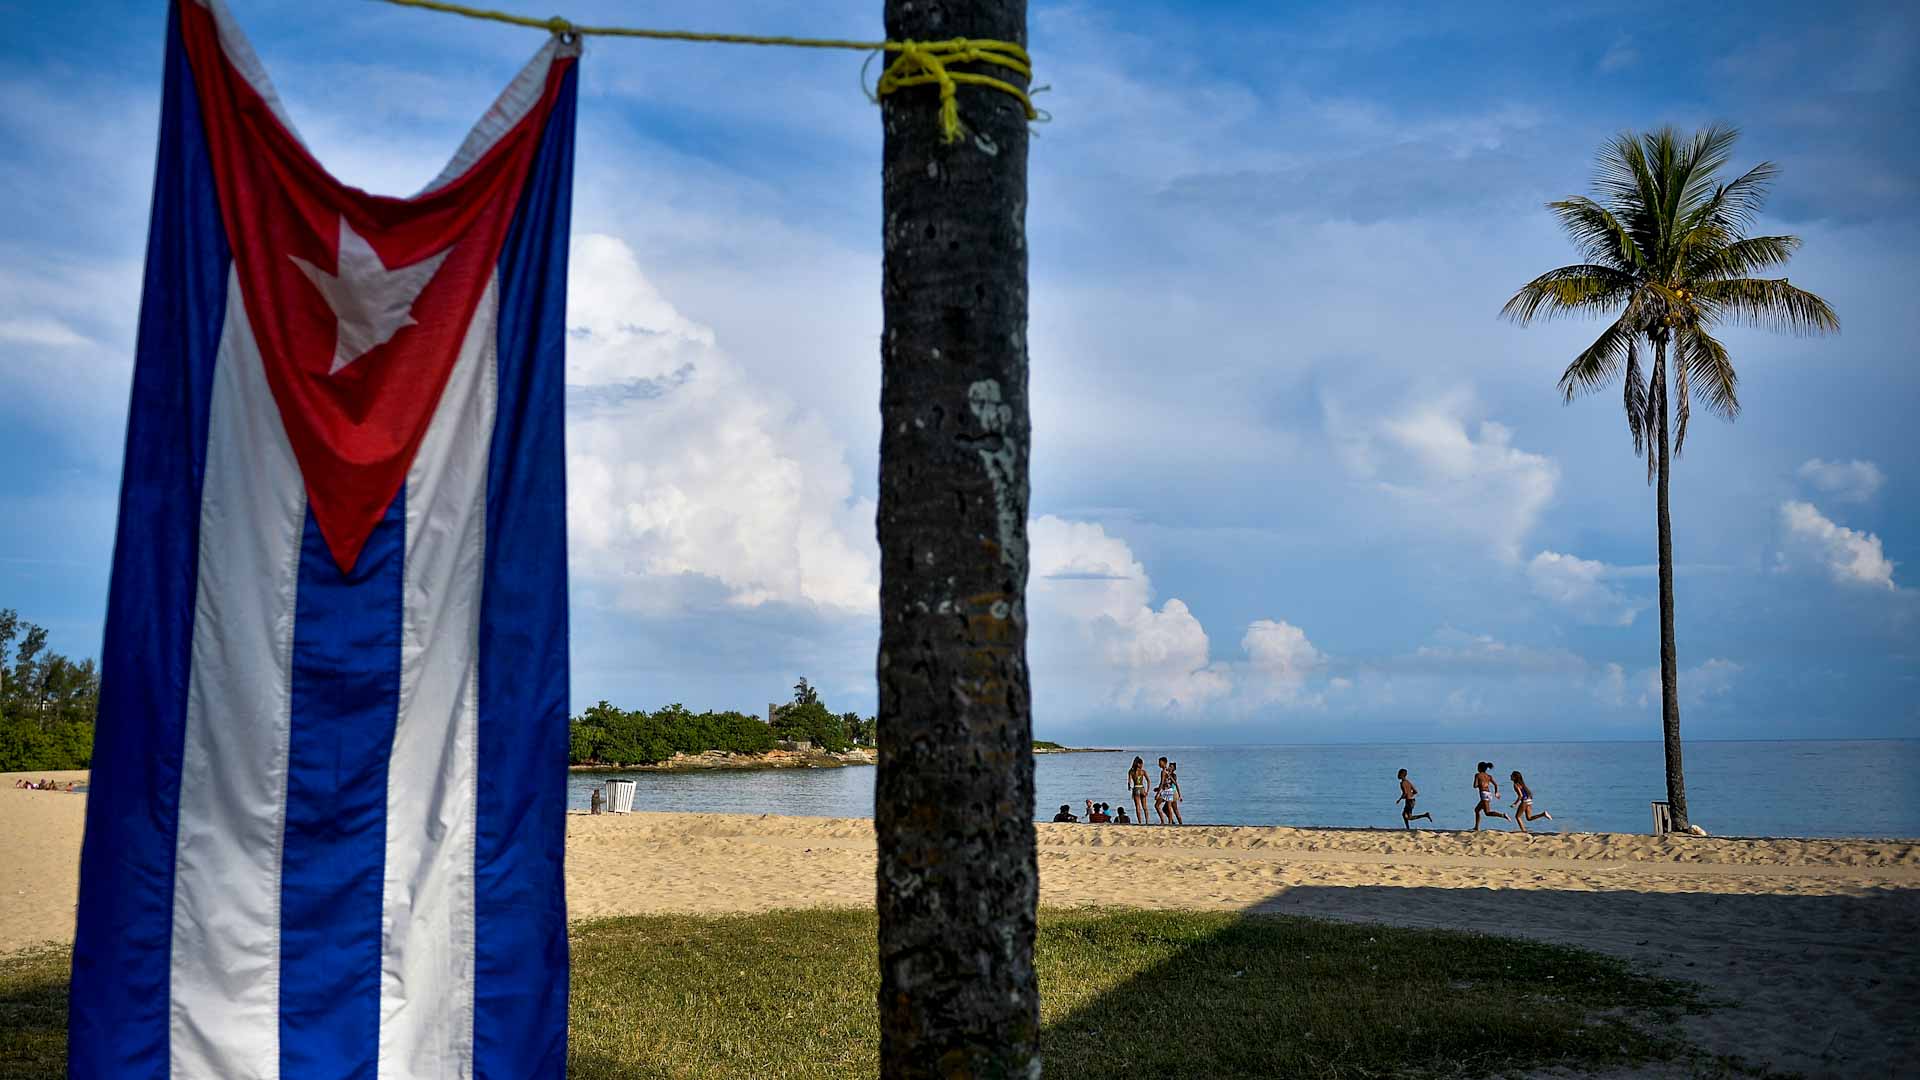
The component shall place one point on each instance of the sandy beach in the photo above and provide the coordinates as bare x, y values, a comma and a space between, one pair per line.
1813, 944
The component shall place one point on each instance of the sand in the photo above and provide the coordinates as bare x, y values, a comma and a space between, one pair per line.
1813, 944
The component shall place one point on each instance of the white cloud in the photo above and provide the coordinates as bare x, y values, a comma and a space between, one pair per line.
1849, 556
1092, 608
1710, 679
1579, 586
1848, 481
682, 466
1611, 688
1620, 55
1096, 631
1279, 660
1452, 476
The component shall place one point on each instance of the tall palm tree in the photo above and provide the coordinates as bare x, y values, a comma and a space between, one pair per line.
1668, 259
958, 873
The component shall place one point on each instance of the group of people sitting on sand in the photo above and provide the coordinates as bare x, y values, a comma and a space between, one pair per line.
1486, 789
46, 785
1166, 799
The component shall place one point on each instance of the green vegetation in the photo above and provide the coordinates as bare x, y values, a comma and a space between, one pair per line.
1666, 257
609, 735
1124, 993
47, 702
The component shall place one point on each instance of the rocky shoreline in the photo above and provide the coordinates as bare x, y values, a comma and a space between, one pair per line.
714, 760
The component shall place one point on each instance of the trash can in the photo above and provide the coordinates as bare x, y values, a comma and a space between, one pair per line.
620, 796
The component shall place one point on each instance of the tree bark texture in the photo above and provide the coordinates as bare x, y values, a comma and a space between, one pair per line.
1669, 656
958, 875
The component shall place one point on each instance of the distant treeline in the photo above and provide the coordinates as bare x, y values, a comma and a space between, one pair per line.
607, 735
47, 702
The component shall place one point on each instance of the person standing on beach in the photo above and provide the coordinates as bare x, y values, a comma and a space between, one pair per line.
1407, 794
1485, 788
1137, 786
1172, 792
1523, 803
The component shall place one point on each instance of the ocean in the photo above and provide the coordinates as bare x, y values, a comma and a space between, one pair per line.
1833, 789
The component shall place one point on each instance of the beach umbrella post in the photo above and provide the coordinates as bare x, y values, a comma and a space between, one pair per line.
958, 875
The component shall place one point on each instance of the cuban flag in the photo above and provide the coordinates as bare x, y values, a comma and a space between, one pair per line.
327, 815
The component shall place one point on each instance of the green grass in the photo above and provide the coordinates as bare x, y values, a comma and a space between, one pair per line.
1124, 994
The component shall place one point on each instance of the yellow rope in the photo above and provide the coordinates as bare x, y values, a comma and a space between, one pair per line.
915, 63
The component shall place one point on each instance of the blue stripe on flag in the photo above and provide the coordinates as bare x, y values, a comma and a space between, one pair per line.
520, 919
346, 695
118, 1003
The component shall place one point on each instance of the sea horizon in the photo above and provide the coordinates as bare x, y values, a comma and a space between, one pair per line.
1803, 788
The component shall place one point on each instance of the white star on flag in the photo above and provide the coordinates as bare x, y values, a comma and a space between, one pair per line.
372, 302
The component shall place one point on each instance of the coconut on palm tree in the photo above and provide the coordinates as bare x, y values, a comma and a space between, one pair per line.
1669, 261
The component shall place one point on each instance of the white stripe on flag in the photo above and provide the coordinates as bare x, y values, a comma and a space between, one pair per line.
225, 975
427, 926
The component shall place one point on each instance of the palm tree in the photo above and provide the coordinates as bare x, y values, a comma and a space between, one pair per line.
1668, 259
958, 870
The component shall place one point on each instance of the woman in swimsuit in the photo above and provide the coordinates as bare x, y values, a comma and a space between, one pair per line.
1523, 803
1484, 789
1137, 784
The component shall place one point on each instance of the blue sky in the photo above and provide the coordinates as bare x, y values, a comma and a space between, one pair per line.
1293, 479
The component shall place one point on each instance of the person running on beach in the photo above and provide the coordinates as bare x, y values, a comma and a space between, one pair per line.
1407, 793
1485, 789
1137, 785
1172, 792
1160, 794
1523, 803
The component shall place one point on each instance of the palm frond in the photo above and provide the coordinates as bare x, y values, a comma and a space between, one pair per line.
1656, 404
1596, 365
1702, 361
1636, 397
1768, 302
1701, 163
1736, 203
1740, 258
1601, 236
1568, 290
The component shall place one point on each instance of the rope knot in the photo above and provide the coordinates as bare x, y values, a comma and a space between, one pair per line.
920, 63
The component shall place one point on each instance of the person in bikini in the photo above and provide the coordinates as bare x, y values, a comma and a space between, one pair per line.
1137, 785
1170, 790
1485, 790
1523, 803
1407, 794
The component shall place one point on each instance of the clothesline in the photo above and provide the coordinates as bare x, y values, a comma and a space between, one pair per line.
915, 63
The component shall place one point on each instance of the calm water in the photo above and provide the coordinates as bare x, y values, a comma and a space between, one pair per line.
1733, 788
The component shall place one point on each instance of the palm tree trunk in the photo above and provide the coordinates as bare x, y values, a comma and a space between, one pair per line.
1669, 657
958, 874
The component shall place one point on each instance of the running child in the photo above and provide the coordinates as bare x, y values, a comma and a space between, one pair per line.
1485, 788
1523, 803
1407, 795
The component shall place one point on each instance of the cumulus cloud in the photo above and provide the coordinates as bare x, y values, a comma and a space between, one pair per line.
1850, 557
1455, 476
1848, 481
685, 471
1579, 585
1711, 679
1097, 632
